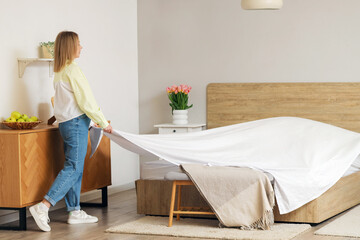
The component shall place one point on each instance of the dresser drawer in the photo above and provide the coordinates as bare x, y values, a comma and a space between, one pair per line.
171, 129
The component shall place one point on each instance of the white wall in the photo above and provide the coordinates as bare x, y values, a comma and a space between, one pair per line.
108, 34
202, 41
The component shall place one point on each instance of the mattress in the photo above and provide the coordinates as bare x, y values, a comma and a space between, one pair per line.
156, 170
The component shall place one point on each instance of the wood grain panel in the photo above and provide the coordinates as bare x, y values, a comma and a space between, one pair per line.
159, 194
153, 197
9, 171
343, 195
39, 154
97, 170
334, 103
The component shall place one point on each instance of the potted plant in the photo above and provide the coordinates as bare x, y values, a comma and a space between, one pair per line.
47, 49
179, 96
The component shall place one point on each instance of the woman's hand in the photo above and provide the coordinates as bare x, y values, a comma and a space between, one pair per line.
108, 129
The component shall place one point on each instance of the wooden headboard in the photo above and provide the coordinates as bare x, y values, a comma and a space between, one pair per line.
334, 103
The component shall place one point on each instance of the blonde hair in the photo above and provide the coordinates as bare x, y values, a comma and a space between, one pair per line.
65, 49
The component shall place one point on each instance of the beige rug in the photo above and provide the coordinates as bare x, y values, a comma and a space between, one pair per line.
347, 225
205, 228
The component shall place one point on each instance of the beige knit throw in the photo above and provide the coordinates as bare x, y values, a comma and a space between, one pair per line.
240, 197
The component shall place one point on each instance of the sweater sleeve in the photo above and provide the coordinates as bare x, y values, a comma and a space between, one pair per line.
84, 96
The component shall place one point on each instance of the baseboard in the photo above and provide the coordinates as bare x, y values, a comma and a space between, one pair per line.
120, 188
8, 216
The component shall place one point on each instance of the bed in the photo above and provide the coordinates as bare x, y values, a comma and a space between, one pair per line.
230, 103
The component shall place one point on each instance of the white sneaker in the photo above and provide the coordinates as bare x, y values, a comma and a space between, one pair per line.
79, 216
41, 217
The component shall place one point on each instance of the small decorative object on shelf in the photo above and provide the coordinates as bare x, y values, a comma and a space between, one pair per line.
179, 96
47, 49
21, 121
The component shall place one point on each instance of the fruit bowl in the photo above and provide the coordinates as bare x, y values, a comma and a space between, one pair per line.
21, 125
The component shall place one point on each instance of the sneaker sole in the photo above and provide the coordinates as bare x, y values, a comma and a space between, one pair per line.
81, 221
38, 223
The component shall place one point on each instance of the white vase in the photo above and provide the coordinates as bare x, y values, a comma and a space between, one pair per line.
180, 117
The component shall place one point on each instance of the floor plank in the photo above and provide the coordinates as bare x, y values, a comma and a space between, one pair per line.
121, 209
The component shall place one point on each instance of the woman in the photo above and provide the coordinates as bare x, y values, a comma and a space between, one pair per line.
74, 106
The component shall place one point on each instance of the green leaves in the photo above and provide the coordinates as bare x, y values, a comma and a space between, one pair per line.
49, 43
179, 101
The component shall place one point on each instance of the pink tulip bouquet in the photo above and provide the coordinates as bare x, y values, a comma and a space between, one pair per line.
178, 96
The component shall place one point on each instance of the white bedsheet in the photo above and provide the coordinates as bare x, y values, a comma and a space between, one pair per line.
305, 157
156, 170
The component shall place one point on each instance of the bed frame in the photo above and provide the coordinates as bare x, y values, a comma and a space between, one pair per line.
230, 103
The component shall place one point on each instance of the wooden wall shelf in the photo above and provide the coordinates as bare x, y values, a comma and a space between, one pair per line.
24, 62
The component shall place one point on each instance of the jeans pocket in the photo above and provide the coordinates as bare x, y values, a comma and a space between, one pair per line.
68, 128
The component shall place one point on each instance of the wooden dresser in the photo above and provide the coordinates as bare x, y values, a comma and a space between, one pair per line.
31, 159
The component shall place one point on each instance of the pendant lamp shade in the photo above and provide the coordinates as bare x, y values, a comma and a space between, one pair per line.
261, 4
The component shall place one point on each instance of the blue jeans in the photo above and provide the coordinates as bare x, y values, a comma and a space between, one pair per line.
68, 182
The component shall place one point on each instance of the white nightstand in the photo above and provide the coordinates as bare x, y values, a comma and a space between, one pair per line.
169, 128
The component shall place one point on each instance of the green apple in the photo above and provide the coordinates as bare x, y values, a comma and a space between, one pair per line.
34, 118
20, 120
24, 116
30, 120
15, 115
10, 119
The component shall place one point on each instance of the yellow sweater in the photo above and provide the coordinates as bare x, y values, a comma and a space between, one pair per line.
73, 96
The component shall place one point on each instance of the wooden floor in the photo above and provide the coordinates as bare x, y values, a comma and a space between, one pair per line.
121, 209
